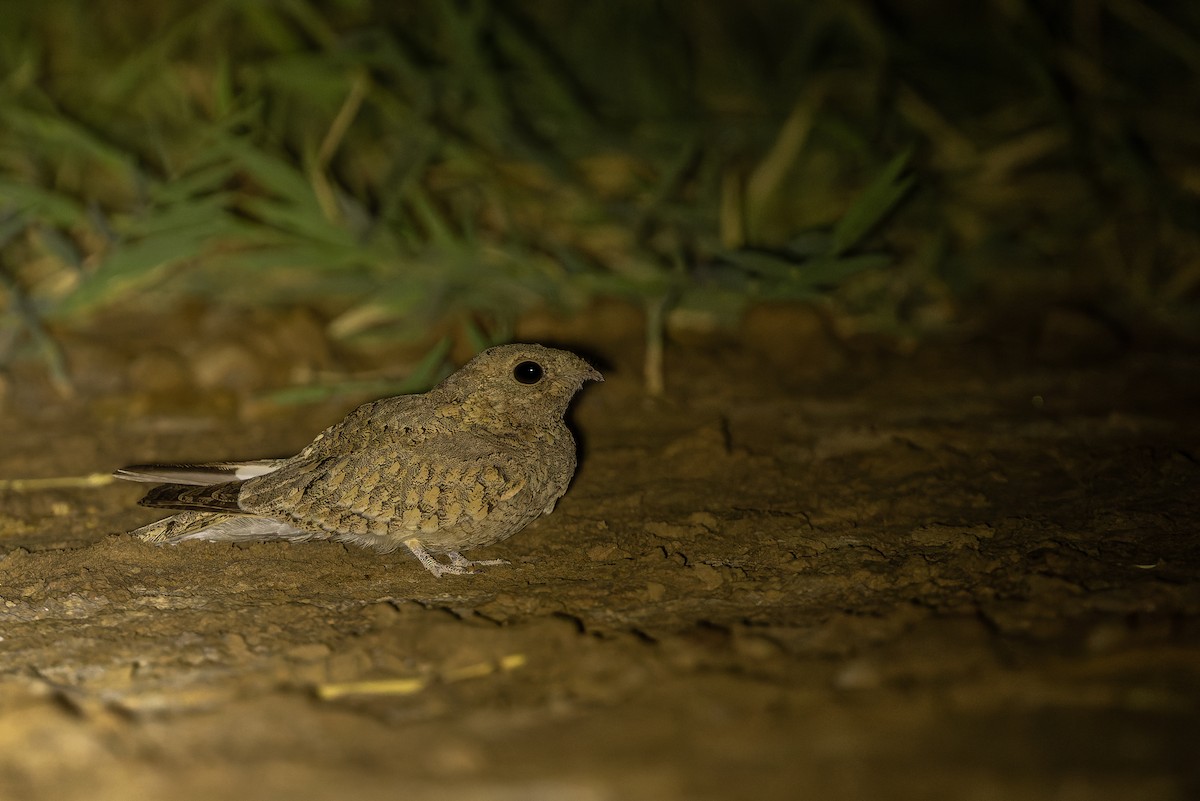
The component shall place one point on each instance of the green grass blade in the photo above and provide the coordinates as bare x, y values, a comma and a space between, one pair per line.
875, 202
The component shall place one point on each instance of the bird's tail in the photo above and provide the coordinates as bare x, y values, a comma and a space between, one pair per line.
218, 527
198, 474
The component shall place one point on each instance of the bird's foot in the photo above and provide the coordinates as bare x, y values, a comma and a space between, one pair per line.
458, 560
458, 565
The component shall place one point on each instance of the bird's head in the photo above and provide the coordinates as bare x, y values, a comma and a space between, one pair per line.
517, 385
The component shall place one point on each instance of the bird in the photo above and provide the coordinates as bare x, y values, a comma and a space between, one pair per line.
468, 463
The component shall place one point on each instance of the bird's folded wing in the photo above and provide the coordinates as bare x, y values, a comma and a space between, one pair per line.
416, 489
211, 498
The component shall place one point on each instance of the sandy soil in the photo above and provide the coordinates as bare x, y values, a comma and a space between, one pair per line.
809, 572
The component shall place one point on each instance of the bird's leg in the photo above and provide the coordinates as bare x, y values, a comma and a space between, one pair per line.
457, 566
432, 565
458, 560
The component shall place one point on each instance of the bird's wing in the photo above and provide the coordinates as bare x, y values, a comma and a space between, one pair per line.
210, 498
199, 474
410, 480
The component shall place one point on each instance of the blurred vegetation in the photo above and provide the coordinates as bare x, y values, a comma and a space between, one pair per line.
397, 164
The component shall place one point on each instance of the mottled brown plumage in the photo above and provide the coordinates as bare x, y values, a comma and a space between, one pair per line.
469, 463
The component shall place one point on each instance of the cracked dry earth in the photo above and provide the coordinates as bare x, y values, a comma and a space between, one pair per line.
953, 575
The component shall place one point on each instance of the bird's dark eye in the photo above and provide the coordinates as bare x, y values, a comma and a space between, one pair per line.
528, 372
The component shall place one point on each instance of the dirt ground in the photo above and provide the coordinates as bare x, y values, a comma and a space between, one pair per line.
811, 571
